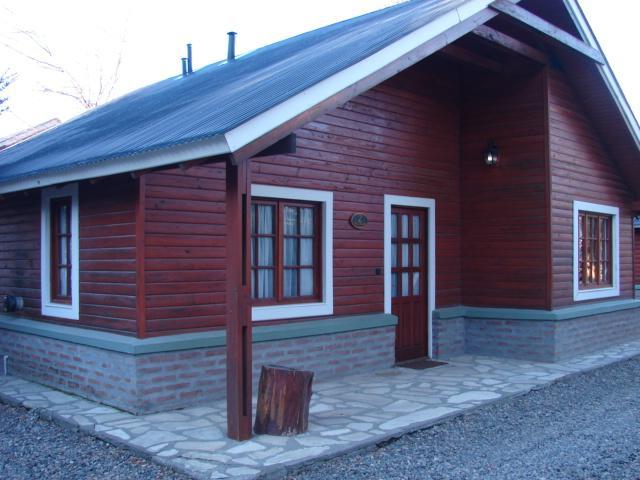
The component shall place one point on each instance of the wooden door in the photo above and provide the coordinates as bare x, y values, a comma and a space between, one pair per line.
409, 281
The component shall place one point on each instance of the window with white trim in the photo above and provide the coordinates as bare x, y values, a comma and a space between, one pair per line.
291, 252
59, 264
596, 251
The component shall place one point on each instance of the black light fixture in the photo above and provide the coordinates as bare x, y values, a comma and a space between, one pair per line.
491, 154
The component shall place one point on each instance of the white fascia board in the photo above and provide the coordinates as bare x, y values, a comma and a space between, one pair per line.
605, 70
167, 156
265, 122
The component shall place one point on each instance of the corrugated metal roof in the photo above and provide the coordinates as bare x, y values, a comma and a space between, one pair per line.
216, 98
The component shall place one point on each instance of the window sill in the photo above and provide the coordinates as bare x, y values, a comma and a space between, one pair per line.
295, 310
60, 310
594, 293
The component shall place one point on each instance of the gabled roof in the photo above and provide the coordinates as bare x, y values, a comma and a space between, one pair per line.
227, 106
23, 135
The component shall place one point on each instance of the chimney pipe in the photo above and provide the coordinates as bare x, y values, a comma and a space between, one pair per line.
231, 52
189, 59
184, 66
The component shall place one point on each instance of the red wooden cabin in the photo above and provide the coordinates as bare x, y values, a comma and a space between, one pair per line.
438, 178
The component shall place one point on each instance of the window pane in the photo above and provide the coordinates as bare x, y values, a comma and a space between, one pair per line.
290, 283
63, 291
416, 283
306, 251
265, 251
291, 251
62, 219
265, 283
405, 284
394, 284
265, 219
405, 226
394, 225
416, 254
306, 221
63, 252
306, 281
405, 255
253, 251
416, 226
394, 255
253, 219
290, 221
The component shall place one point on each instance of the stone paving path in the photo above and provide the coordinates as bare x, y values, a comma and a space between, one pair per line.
346, 414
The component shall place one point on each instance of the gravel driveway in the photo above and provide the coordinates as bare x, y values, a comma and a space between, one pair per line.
34, 449
585, 427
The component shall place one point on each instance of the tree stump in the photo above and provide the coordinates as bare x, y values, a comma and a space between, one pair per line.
283, 401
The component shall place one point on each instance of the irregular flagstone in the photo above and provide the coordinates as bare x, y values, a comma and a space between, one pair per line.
293, 455
154, 437
204, 446
246, 447
416, 418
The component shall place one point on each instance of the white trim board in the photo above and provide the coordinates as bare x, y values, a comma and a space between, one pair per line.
300, 310
430, 205
49, 308
593, 293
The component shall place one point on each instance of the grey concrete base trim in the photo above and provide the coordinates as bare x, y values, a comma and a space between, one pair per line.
560, 314
188, 341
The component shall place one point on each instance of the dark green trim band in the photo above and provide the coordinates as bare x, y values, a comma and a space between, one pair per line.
188, 341
569, 313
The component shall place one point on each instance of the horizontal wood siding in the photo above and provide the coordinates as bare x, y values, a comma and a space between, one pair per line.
107, 254
504, 207
20, 249
581, 169
185, 249
399, 138
636, 256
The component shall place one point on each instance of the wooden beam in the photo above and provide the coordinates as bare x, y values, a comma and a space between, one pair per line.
538, 24
238, 300
511, 44
468, 57
284, 146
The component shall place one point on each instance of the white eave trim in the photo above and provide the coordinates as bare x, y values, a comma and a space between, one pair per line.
605, 70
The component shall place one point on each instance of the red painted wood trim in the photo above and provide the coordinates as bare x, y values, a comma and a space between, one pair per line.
548, 189
238, 300
141, 291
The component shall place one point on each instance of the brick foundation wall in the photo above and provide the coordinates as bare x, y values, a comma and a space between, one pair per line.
544, 341
164, 381
448, 337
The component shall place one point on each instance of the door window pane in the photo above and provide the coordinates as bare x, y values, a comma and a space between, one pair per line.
405, 254
416, 283
394, 284
416, 226
394, 225
405, 226
405, 284
63, 290
416, 254
394, 255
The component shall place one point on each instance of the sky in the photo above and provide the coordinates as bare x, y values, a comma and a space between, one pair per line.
147, 38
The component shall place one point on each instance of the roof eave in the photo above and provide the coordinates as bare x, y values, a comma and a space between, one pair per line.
210, 147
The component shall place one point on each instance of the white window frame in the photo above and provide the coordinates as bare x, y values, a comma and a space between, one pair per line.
313, 309
430, 205
49, 307
614, 289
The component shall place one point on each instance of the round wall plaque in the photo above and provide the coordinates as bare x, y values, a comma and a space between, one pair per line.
358, 220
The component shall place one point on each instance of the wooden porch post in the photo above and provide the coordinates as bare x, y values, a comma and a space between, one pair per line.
238, 300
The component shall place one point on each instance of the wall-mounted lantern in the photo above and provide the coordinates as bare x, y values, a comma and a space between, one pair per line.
491, 154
